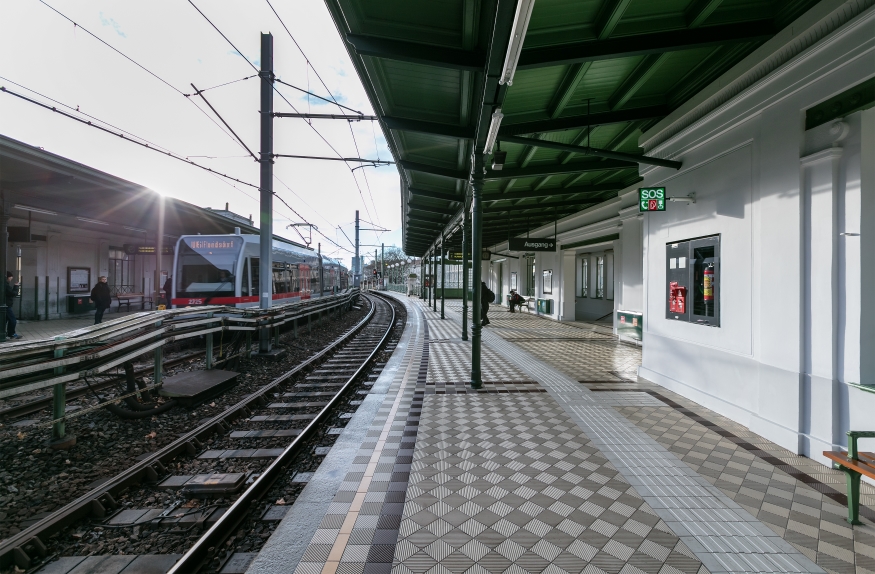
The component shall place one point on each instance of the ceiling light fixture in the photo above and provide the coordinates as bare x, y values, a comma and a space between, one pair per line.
34, 209
135, 229
517, 36
85, 219
497, 116
498, 158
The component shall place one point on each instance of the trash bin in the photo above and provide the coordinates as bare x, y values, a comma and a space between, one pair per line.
545, 306
79, 304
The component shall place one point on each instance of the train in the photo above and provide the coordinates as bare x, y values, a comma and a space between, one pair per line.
224, 270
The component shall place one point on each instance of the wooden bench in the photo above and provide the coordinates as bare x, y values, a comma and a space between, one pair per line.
126, 298
855, 464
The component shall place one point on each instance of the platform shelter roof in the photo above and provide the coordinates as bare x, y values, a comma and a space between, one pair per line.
52, 189
591, 73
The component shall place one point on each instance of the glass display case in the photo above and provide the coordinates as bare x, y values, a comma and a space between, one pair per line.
693, 281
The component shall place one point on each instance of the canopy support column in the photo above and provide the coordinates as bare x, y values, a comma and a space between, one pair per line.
466, 234
476, 249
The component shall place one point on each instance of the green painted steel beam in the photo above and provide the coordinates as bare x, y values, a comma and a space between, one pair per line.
443, 196
430, 209
592, 151
434, 170
576, 122
596, 189
699, 11
609, 16
556, 169
416, 53
642, 44
434, 128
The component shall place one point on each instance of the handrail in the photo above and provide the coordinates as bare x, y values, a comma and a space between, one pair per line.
98, 348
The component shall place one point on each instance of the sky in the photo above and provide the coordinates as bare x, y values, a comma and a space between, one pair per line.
45, 53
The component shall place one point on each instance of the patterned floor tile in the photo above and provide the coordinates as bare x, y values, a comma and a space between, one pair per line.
510, 482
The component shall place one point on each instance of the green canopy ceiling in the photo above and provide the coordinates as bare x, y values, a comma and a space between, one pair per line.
591, 73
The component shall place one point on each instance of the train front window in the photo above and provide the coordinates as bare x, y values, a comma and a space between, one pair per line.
208, 266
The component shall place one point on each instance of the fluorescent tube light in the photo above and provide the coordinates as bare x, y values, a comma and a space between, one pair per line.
497, 116
85, 219
34, 209
135, 229
517, 36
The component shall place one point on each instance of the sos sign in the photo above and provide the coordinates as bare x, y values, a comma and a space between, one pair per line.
651, 199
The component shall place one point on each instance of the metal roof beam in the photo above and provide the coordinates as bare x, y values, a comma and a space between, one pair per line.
576, 122
430, 209
592, 151
546, 205
416, 53
555, 169
642, 44
597, 189
609, 16
434, 128
417, 192
699, 10
434, 170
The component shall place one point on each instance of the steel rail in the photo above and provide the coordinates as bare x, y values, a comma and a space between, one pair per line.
207, 545
14, 550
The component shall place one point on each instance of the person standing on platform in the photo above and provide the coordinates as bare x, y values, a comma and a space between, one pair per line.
168, 288
101, 297
11, 293
486, 297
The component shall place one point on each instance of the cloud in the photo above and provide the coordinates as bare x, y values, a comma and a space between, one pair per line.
115, 25
256, 62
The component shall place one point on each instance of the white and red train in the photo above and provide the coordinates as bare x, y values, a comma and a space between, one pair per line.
224, 270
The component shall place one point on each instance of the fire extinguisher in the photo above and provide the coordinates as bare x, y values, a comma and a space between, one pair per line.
708, 294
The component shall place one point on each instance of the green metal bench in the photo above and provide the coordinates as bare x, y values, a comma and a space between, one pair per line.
855, 464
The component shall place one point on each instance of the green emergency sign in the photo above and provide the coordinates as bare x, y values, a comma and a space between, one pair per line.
651, 199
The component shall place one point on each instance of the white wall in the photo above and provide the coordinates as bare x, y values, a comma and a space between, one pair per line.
789, 341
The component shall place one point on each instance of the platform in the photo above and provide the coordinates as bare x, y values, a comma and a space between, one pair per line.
32, 330
565, 461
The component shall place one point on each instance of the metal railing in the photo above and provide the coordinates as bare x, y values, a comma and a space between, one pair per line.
29, 366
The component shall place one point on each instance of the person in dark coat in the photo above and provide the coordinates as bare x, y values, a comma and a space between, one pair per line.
486, 297
168, 288
101, 297
11, 293
515, 300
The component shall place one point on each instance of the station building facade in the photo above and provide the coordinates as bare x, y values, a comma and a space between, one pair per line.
70, 223
752, 295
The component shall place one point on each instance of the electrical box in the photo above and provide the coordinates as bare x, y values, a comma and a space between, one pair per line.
692, 277
79, 304
545, 306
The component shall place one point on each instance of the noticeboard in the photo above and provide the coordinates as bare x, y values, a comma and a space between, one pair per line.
78, 280
651, 199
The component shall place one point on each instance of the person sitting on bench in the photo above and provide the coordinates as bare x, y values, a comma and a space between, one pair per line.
515, 300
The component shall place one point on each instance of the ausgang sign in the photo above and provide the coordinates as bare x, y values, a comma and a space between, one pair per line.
651, 199
531, 244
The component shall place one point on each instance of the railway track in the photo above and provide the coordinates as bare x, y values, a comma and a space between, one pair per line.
214, 504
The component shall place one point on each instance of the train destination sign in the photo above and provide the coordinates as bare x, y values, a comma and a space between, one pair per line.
651, 199
531, 244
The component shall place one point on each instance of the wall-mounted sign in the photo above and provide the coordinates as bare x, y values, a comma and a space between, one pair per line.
531, 244
132, 249
651, 199
78, 280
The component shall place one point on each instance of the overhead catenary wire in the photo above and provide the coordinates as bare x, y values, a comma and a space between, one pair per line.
218, 115
142, 67
324, 85
122, 135
222, 34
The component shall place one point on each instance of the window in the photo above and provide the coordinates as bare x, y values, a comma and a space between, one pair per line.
600, 277
584, 277
530, 276
120, 277
547, 282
